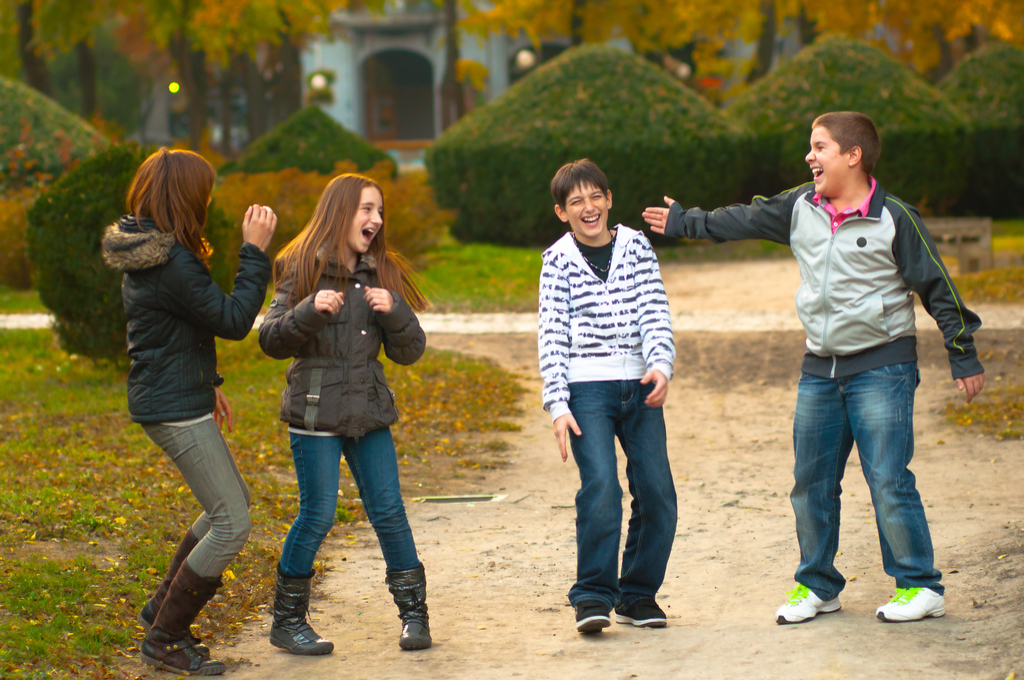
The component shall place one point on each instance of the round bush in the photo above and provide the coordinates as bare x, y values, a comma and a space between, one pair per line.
309, 140
65, 229
38, 138
988, 87
649, 134
924, 138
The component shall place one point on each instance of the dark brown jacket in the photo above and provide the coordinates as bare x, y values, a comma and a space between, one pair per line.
340, 352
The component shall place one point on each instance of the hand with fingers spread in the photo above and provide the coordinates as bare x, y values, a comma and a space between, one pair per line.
379, 299
222, 411
328, 301
658, 217
972, 385
562, 426
258, 226
657, 396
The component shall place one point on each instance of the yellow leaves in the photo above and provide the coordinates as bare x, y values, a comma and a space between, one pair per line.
228, 575
473, 71
152, 572
121, 520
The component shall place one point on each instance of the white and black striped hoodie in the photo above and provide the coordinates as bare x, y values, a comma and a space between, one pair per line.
592, 330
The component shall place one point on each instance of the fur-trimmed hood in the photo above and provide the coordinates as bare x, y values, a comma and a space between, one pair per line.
131, 245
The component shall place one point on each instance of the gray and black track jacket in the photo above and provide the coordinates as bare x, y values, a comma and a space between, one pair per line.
856, 298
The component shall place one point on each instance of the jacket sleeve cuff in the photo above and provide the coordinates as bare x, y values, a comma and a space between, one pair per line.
664, 367
307, 318
966, 367
674, 226
218, 380
559, 409
399, 316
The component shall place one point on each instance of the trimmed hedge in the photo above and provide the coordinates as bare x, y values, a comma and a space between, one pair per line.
925, 139
65, 228
309, 140
38, 138
988, 86
648, 133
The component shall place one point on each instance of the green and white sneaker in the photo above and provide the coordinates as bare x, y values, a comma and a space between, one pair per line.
803, 605
912, 604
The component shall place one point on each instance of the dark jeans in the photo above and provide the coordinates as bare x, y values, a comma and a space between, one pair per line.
874, 409
374, 467
604, 411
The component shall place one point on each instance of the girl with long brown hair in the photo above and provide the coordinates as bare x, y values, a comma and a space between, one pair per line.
340, 294
175, 312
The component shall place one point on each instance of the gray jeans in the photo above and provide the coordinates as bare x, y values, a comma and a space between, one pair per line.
202, 455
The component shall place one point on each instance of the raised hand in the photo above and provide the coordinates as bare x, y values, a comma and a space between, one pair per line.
379, 299
658, 217
328, 301
258, 226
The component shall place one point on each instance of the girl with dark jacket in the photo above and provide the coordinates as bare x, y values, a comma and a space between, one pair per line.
340, 295
175, 312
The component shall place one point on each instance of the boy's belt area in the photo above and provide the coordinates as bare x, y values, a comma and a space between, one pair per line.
899, 351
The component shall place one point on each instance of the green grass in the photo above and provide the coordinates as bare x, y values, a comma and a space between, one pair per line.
479, 277
731, 251
92, 511
1007, 228
14, 301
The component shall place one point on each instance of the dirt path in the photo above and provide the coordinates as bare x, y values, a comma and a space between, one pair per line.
498, 572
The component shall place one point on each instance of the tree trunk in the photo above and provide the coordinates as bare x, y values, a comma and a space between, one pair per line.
808, 28
192, 71
255, 97
36, 73
765, 44
227, 81
576, 27
945, 64
86, 78
289, 80
453, 99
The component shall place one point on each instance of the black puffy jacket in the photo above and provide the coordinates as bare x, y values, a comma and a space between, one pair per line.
175, 310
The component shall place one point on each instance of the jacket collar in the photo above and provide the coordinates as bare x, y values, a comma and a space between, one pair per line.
134, 244
567, 246
874, 208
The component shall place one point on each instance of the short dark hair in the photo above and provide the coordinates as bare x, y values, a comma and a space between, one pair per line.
850, 129
574, 175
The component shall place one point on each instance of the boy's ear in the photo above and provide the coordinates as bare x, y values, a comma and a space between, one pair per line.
609, 199
562, 215
856, 155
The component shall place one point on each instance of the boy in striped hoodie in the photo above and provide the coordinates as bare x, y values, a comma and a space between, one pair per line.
606, 352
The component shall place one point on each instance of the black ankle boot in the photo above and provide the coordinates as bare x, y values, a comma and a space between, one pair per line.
168, 645
409, 588
290, 630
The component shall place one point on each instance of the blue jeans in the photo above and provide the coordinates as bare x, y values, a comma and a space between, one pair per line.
604, 411
374, 467
874, 409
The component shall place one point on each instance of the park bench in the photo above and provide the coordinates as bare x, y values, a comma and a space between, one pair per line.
968, 239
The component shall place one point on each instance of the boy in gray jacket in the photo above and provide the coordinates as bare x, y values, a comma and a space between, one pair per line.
863, 253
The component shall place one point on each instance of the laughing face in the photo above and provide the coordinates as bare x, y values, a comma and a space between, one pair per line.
586, 211
367, 222
832, 168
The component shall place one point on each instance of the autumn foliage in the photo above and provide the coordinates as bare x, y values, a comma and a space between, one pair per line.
415, 224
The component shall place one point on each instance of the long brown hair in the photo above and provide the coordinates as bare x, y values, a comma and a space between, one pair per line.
304, 260
173, 188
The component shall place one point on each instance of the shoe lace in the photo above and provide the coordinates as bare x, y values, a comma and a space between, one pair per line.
798, 594
904, 595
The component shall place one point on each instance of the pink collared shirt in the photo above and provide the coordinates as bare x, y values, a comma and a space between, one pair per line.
840, 217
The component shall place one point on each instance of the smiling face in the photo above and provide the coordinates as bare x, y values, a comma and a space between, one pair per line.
586, 211
365, 225
833, 170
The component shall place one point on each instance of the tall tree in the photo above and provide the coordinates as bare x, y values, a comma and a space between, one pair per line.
453, 97
32, 61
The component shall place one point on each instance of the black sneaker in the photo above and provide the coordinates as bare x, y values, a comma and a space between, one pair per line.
644, 613
592, 616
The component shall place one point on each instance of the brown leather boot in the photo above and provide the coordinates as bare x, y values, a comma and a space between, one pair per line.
148, 613
168, 644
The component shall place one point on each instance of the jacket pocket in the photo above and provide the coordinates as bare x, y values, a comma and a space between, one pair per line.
317, 407
859, 326
386, 408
